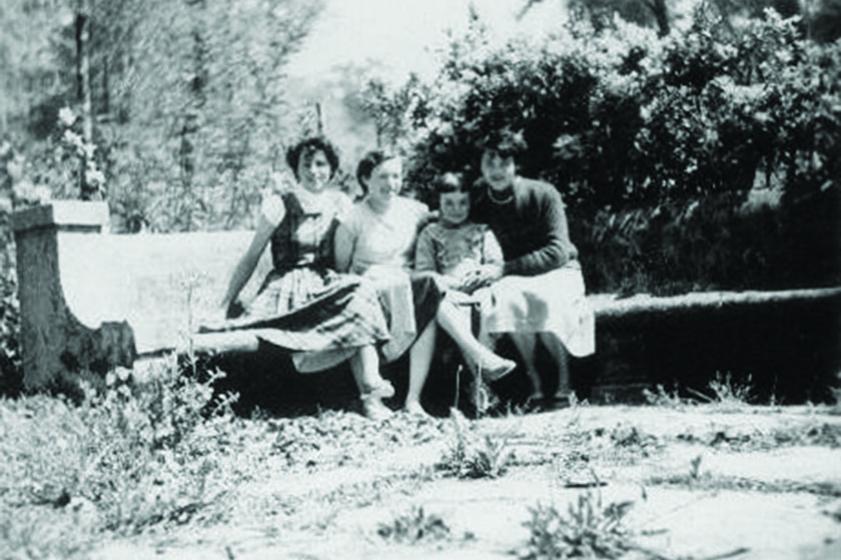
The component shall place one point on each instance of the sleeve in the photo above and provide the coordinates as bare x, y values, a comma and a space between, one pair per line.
272, 208
351, 219
556, 248
491, 251
425, 251
344, 206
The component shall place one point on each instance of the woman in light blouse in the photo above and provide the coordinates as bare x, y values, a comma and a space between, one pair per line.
377, 239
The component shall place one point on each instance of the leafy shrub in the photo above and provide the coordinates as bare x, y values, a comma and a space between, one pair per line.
654, 144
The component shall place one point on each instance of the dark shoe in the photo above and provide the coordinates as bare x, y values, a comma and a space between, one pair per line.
560, 401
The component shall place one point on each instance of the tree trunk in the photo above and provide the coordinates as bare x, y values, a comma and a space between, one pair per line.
661, 15
83, 90
190, 127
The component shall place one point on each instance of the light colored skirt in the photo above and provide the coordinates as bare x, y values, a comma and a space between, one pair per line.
409, 302
552, 302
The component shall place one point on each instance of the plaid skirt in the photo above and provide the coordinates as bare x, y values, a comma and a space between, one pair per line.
320, 316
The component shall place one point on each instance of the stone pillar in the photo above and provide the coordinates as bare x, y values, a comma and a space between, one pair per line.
54, 342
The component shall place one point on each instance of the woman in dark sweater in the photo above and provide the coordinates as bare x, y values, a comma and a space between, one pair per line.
540, 294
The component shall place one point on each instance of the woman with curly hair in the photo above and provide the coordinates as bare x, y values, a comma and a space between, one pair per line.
304, 306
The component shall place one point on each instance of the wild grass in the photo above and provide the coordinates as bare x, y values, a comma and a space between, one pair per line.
123, 459
472, 456
414, 527
587, 529
664, 398
727, 395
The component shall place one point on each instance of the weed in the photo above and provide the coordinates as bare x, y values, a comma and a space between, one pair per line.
836, 397
695, 468
634, 439
415, 527
473, 457
709, 482
727, 395
121, 460
588, 529
664, 398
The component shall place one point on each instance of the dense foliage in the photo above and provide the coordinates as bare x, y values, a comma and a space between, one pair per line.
655, 144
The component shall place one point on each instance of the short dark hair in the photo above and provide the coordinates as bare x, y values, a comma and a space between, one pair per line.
504, 141
450, 182
308, 146
368, 163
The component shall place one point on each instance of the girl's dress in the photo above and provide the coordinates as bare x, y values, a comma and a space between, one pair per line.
383, 252
304, 306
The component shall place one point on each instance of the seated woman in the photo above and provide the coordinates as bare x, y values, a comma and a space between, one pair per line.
303, 306
377, 239
539, 288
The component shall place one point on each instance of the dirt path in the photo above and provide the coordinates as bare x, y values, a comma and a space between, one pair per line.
757, 483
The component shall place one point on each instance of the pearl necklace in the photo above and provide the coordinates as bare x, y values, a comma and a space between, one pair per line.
504, 200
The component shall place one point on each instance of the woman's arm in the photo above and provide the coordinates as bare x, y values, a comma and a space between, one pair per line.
425, 252
343, 244
248, 262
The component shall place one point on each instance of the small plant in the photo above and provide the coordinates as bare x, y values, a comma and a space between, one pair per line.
469, 458
695, 468
660, 396
727, 395
836, 396
416, 526
588, 529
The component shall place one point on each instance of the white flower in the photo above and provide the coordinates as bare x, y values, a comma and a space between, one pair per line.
66, 116
72, 138
42, 193
94, 177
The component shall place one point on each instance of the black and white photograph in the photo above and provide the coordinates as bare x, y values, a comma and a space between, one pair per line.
409, 279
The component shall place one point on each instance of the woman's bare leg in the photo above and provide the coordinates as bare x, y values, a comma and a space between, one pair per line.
561, 358
526, 344
365, 366
457, 325
420, 359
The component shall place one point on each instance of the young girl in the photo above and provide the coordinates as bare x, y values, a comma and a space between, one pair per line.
461, 251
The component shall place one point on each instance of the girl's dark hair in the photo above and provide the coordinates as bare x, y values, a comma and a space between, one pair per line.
450, 182
505, 142
308, 146
368, 163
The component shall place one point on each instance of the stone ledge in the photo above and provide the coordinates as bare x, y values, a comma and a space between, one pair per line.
66, 215
607, 308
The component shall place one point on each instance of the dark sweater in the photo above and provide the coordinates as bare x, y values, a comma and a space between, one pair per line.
531, 227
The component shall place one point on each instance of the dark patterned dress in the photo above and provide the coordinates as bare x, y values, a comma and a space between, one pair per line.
304, 306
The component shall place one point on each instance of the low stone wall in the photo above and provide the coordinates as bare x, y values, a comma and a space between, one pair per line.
91, 300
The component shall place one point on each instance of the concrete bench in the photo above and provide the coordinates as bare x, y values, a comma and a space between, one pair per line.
93, 300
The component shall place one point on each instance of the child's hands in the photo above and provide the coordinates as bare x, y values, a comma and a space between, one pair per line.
479, 277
